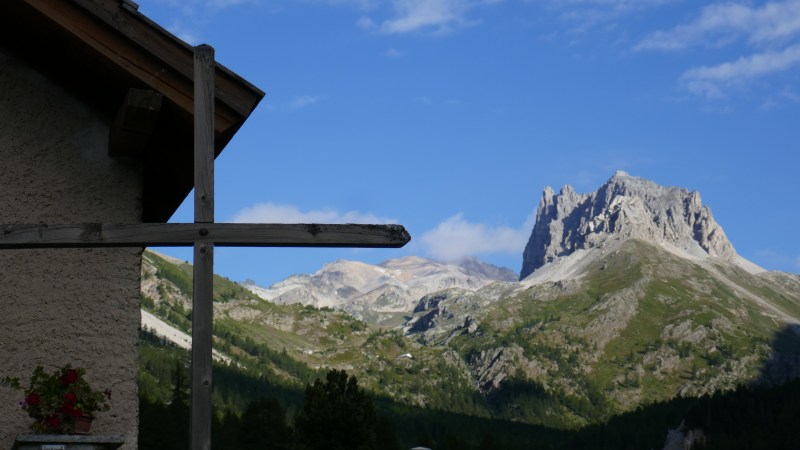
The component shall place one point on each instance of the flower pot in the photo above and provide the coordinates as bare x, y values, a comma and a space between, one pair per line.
83, 424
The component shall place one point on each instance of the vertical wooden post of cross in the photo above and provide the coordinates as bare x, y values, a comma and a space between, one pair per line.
202, 303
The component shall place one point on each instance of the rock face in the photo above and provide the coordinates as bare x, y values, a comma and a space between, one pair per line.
624, 207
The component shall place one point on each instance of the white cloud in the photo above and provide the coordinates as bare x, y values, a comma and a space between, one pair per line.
790, 94
194, 16
275, 213
413, 15
611, 6
772, 260
303, 101
399, 16
590, 13
184, 32
434, 16
225, 3
190, 7
710, 80
394, 53
771, 30
748, 67
456, 238
723, 24
366, 23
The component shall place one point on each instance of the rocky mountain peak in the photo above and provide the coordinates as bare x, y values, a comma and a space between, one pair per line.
624, 207
620, 174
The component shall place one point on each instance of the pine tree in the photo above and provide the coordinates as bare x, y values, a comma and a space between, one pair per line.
264, 426
336, 415
178, 410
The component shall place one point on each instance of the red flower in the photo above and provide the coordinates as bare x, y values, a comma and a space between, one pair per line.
32, 399
54, 422
76, 412
69, 377
71, 397
66, 408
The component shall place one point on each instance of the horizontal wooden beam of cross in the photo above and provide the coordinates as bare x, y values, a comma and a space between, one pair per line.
188, 234
204, 235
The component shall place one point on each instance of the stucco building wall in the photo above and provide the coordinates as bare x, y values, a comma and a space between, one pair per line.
77, 306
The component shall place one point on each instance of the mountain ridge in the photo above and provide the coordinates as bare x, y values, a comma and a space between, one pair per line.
382, 293
622, 208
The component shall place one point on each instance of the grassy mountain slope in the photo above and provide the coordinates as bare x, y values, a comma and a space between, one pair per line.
295, 343
641, 326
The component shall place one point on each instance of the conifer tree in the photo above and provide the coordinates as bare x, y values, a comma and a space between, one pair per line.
264, 426
336, 415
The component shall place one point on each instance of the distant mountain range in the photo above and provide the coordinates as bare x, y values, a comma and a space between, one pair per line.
629, 295
380, 294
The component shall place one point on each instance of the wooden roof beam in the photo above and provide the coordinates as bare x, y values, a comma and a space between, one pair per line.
121, 34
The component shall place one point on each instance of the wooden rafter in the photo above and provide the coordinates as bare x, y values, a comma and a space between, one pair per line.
119, 35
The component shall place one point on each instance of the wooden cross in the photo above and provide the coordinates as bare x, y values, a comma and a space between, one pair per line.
203, 234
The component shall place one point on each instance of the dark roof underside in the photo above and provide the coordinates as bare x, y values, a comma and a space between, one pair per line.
99, 49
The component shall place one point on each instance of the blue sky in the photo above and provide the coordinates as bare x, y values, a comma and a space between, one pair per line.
451, 116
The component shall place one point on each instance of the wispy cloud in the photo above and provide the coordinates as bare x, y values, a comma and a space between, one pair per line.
226, 3
772, 260
589, 14
789, 94
710, 80
770, 30
366, 23
192, 17
435, 17
188, 6
276, 213
303, 101
456, 238
722, 24
439, 16
184, 33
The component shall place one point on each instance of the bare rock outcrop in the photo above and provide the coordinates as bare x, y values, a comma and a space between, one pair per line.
624, 207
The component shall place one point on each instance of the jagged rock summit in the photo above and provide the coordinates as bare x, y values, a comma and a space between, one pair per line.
625, 207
